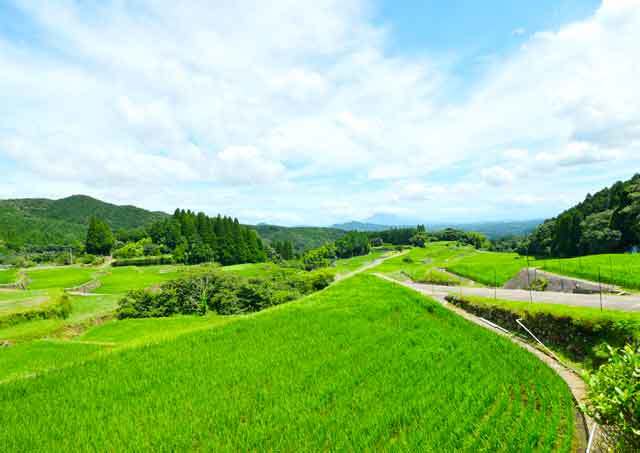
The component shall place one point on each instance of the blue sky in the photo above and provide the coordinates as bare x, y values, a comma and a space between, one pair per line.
318, 112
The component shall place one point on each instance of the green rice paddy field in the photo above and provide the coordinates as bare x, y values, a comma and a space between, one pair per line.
365, 365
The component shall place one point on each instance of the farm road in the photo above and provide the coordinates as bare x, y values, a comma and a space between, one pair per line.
609, 302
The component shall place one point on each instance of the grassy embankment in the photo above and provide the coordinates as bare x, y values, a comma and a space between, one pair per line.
425, 264
618, 269
578, 333
364, 365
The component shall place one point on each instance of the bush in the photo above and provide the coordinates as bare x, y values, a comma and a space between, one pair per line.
60, 307
539, 284
223, 292
614, 398
144, 261
580, 338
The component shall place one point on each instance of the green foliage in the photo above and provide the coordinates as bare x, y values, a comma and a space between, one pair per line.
614, 398
488, 268
617, 269
58, 277
578, 332
352, 244
144, 261
318, 258
226, 293
539, 284
301, 238
99, 237
59, 307
363, 366
608, 221
198, 238
132, 249
437, 277
420, 239
41, 222
284, 249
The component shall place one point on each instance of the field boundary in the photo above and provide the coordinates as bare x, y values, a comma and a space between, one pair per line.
577, 386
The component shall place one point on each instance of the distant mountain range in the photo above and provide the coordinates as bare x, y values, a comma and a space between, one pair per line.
40, 222
492, 230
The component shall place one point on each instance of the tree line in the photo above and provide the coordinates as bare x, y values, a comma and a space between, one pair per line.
191, 238
608, 221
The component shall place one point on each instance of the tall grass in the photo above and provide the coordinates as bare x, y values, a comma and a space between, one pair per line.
364, 365
8, 276
61, 277
617, 269
489, 268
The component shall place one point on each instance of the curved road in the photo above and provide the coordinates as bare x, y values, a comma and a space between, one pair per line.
609, 302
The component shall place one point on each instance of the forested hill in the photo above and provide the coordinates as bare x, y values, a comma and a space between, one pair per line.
41, 222
302, 238
80, 208
608, 221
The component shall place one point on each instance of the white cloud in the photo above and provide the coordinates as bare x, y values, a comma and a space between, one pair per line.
576, 153
155, 96
497, 176
246, 164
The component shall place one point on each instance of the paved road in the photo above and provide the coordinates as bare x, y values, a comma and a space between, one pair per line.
623, 303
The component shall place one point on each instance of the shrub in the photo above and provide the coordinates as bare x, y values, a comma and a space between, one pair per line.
144, 261
614, 398
539, 284
579, 337
223, 292
59, 307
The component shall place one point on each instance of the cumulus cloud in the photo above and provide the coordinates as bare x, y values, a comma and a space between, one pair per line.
574, 154
154, 95
497, 176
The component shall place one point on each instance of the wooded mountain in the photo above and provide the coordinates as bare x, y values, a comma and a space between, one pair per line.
44, 222
302, 238
608, 221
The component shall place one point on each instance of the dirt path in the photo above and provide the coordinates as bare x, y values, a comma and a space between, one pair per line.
371, 265
574, 381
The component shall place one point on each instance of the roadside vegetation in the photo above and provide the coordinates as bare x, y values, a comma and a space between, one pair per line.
582, 334
363, 365
618, 269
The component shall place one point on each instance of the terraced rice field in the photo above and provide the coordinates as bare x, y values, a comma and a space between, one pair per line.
8, 276
489, 268
59, 277
618, 269
364, 365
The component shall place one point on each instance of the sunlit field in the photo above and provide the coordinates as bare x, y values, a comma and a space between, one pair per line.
364, 365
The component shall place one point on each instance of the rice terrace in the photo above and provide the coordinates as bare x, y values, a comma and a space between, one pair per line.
356, 226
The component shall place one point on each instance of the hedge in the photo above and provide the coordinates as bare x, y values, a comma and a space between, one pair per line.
580, 333
144, 261
60, 308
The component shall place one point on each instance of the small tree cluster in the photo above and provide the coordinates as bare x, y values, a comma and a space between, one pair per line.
197, 238
223, 292
284, 249
99, 238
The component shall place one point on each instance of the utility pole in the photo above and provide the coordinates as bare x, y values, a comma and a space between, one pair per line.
495, 284
529, 281
600, 285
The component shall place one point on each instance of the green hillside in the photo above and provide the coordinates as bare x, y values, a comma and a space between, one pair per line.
303, 238
364, 366
607, 221
41, 222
